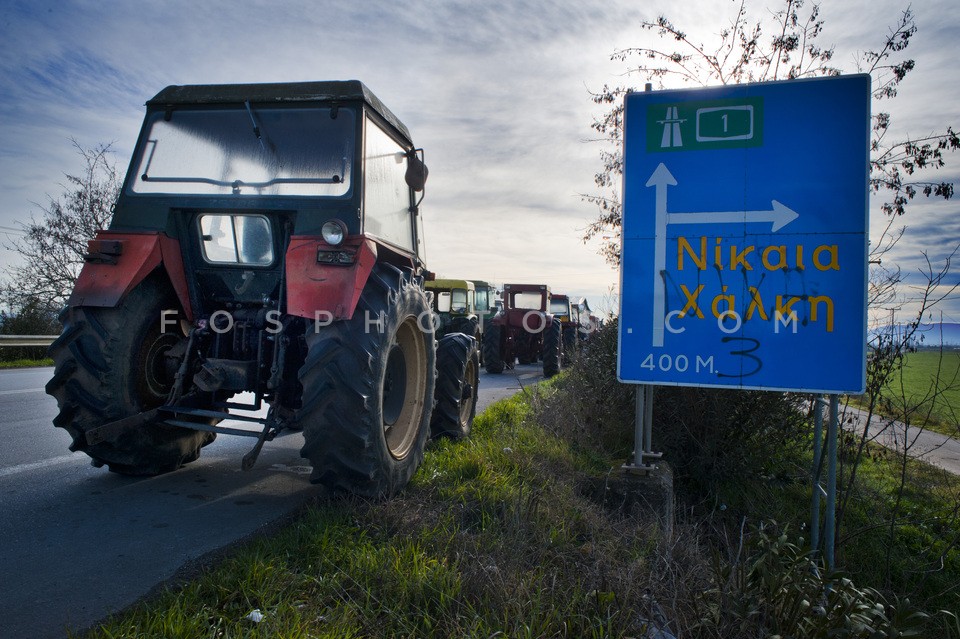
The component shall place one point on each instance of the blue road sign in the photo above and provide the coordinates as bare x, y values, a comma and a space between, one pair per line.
744, 255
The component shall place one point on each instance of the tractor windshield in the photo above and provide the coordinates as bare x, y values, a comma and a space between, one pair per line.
483, 299
528, 301
459, 303
247, 150
560, 307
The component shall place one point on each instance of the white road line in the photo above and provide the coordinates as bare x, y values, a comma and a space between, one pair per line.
22, 390
53, 461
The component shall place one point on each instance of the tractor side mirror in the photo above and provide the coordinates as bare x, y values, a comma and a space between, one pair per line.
416, 175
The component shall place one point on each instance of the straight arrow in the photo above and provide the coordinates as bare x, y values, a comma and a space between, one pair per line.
661, 179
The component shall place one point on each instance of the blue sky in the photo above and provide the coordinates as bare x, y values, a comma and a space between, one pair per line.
496, 92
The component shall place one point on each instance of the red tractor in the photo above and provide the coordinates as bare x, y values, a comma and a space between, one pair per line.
523, 331
267, 240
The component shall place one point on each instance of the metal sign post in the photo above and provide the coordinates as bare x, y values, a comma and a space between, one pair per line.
643, 433
829, 520
817, 490
830, 494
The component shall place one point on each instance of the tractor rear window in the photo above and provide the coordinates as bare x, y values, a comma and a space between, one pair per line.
530, 301
247, 150
459, 304
236, 239
559, 308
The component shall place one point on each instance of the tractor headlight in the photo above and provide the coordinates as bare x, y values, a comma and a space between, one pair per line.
333, 232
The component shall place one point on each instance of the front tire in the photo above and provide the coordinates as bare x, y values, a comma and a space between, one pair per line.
458, 367
551, 349
368, 389
112, 363
492, 360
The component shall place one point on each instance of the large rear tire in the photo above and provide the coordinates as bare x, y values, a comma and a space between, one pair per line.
551, 349
458, 368
492, 359
112, 363
368, 386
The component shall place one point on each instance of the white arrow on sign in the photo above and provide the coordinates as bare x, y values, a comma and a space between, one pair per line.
778, 217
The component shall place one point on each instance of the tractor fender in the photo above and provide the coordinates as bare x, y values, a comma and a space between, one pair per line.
320, 291
117, 262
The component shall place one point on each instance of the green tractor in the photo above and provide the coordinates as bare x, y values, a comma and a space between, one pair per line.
486, 309
454, 302
569, 315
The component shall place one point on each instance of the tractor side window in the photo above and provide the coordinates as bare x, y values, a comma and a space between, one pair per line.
236, 239
386, 196
443, 302
559, 308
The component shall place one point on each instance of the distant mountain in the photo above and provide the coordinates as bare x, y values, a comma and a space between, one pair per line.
927, 335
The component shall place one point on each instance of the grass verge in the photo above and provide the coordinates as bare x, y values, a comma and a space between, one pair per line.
27, 363
492, 538
499, 536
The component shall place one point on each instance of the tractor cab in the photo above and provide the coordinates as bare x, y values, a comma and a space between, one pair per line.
454, 303
523, 331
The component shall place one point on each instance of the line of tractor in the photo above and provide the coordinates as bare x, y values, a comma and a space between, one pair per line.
266, 251
519, 323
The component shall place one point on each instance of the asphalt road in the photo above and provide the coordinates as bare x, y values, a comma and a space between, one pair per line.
926, 445
82, 543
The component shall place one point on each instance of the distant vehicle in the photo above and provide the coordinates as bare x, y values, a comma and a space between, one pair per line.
454, 302
486, 301
524, 331
589, 323
569, 317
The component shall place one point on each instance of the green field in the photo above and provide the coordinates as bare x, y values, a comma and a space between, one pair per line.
927, 390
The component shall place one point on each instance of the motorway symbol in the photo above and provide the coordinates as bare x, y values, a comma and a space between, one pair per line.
671, 129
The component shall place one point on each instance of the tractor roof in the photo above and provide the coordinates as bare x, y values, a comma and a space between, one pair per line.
525, 288
445, 284
277, 92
